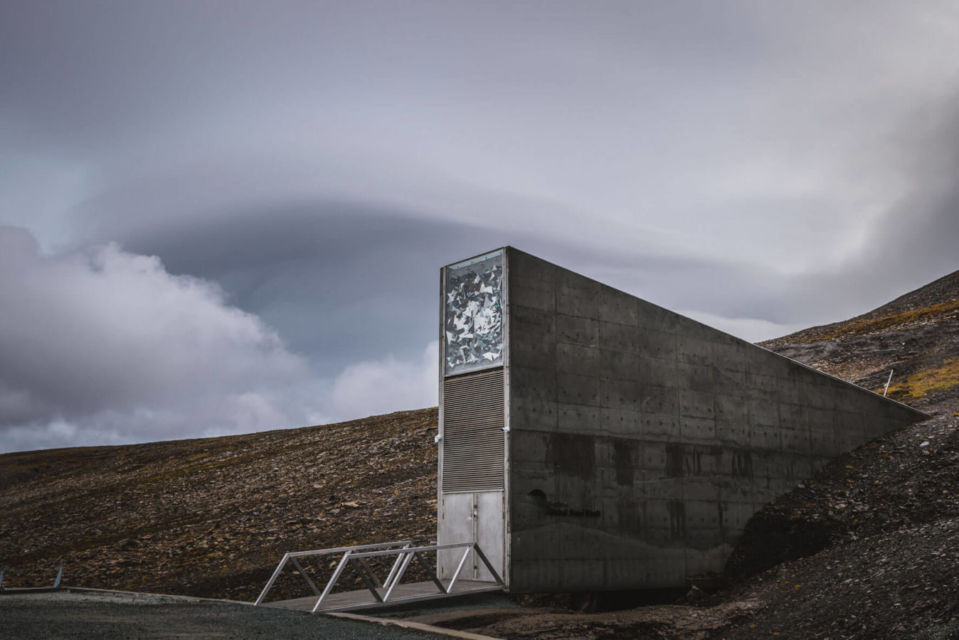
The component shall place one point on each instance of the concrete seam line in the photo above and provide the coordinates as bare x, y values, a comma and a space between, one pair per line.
418, 626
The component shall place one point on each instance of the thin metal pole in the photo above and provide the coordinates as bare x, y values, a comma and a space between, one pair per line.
395, 567
309, 581
399, 575
459, 567
269, 584
333, 580
369, 570
436, 581
886, 390
391, 552
489, 566
354, 548
362, 571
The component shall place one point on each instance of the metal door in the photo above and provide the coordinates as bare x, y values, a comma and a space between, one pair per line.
472, 517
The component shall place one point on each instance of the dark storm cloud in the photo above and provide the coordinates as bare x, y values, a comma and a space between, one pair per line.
918, 238
341, 281
348, 280
914, 241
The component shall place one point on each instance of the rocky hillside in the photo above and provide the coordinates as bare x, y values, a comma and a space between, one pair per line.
916, 336
869, 548
212, 517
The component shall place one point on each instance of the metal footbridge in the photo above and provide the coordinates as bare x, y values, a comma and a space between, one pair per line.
363, 560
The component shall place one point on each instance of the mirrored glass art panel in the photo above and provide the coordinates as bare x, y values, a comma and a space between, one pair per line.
473, 314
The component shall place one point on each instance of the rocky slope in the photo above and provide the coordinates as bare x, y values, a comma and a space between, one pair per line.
212, 517
869, 548
916, 336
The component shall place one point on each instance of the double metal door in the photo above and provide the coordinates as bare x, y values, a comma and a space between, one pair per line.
472, 517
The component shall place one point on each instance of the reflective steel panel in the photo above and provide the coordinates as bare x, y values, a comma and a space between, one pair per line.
473, 314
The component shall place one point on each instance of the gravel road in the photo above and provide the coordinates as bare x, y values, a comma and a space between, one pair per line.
109, 616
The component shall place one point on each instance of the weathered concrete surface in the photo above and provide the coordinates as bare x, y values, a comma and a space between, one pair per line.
642, 441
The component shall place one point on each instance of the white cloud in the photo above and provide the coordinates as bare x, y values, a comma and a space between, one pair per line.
103, 346
388, 384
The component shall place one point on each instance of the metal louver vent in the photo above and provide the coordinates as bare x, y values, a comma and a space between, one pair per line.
473, 440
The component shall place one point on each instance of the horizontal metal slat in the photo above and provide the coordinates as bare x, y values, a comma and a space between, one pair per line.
473, 440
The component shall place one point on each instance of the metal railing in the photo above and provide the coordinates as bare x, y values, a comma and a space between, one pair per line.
381, 590
56, 582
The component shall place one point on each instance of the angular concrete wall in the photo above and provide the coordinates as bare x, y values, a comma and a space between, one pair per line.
642, 441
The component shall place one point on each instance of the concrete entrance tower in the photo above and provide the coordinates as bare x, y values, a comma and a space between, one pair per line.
591, 440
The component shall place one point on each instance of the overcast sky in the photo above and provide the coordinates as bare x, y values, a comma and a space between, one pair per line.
221, 217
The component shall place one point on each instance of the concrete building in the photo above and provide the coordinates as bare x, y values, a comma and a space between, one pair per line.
591, 440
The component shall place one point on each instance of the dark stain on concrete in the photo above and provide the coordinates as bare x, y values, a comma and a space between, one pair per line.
623, 460
677, 519
630, 516
571, 454
694, 463
675, 465
742, 464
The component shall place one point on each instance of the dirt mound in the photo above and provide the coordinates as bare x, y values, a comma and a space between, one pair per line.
869, 547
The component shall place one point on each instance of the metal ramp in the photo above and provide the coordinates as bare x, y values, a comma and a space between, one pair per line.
380, 593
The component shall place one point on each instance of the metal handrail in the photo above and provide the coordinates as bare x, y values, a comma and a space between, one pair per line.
56, 581
404, 553
321, 552
293, 555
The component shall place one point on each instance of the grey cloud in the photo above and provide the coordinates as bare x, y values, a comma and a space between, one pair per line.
105, 336
914, 239
917, 239
116, 65
345, 281
340, 281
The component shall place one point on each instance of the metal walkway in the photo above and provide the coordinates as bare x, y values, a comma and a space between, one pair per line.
380, 593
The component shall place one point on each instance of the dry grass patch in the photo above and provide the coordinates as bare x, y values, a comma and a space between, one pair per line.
919, 384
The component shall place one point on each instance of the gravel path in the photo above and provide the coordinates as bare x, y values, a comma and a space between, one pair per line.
108, 616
